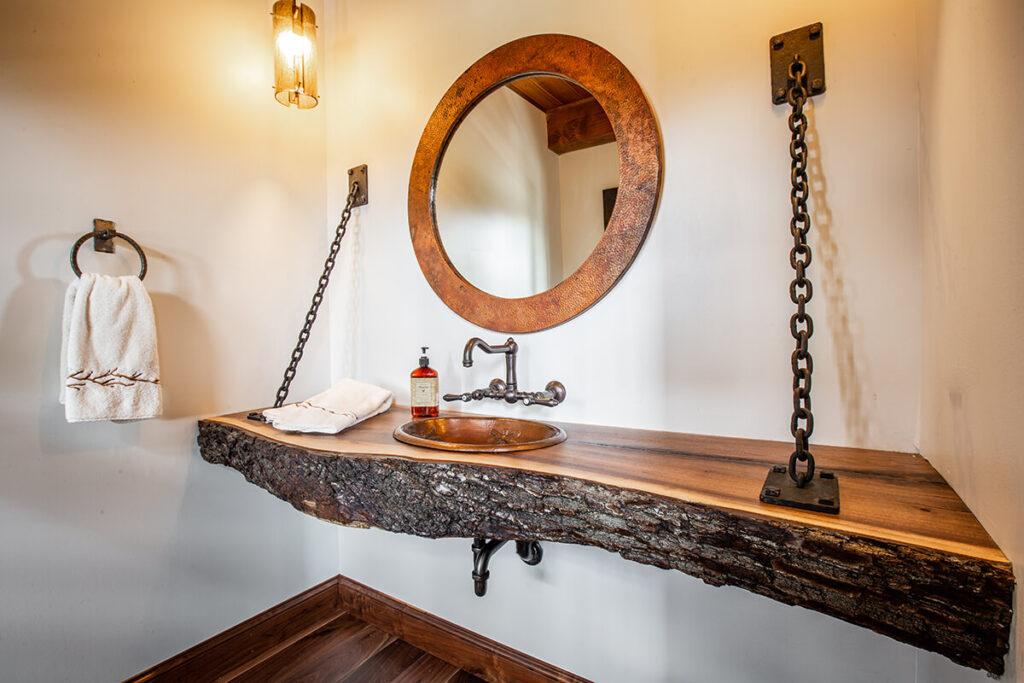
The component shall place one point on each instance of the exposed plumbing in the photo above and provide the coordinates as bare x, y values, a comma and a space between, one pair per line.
529, 551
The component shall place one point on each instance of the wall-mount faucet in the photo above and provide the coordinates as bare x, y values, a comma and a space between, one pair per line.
553, 394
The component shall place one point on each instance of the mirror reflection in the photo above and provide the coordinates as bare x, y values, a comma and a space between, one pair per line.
526, 186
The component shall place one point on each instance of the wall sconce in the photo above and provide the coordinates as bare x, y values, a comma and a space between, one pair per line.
294, 54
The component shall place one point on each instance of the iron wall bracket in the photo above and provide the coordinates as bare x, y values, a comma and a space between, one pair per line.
103, 233
358, 175
809, 44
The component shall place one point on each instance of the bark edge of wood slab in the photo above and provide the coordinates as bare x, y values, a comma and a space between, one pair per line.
958, 604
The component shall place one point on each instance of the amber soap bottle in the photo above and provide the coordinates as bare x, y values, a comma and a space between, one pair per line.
423, 388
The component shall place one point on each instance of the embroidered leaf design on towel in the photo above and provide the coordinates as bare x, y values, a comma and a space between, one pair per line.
110, 378
308, 405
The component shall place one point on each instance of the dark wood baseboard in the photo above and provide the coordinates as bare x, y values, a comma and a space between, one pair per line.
465, 649
243, 647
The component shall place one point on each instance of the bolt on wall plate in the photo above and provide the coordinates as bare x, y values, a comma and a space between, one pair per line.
99, 242
358, 175
808, 42
820, 494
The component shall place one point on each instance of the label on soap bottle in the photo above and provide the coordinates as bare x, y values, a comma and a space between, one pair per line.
424, 392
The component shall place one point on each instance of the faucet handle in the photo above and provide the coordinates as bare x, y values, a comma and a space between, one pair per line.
553, 394
557, 391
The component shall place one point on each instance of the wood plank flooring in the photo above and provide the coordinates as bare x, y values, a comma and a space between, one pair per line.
349, 650
342, 631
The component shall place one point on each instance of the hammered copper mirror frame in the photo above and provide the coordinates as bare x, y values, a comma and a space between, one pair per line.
640, 173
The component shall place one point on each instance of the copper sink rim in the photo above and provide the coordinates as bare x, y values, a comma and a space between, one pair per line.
558, 435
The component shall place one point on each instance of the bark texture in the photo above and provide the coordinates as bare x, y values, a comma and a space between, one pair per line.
957, 606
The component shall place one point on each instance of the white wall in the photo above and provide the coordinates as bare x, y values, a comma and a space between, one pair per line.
693, 339
972, 166
584, 175
497, 192
120, 546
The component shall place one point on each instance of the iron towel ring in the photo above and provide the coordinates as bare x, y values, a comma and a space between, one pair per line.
107, 234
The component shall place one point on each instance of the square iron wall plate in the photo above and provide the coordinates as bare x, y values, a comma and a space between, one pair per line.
358, 175
808, 42
100, 243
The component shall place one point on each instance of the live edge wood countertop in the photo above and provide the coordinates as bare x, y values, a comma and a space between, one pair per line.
904, 557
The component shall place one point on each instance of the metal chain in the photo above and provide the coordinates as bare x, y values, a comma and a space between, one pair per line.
314, 307
800, 324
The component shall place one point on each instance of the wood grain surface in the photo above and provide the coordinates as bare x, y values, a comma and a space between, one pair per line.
905, 557
342, 630
470, 652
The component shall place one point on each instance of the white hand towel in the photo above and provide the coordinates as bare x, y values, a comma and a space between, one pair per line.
347, 403
109, 366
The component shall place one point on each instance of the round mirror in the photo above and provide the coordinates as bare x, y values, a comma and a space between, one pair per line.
534, 183
527, 186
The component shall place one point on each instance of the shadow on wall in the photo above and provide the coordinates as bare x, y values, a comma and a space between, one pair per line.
801, 646
125, 521
344, 350
187, 367
836, 304
30, 344
186, 364
93, 457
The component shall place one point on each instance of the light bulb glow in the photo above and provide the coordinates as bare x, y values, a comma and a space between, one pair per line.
293, 45
295, 54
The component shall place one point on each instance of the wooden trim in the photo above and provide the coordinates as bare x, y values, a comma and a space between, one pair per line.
456, 645
254, 640
578, 125
243, 647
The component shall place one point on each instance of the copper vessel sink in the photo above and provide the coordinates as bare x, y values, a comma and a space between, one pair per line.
479, 434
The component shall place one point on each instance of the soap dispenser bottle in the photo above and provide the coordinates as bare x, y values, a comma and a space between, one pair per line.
423, 388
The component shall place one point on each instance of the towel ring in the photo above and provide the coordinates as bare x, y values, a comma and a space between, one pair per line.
107, 234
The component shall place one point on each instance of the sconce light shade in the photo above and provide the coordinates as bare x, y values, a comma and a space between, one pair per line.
294, 54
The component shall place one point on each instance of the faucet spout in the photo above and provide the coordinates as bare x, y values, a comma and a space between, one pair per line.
467, 352
508, 390
509, 348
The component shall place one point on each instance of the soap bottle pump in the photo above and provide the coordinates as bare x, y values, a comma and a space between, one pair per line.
423, 388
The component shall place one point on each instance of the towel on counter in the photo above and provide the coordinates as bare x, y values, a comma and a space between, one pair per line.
347, 403
109, 367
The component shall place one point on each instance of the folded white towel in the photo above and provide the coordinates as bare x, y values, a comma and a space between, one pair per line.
109, 367
346, 403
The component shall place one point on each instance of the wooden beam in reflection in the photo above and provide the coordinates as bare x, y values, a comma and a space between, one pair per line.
578, 125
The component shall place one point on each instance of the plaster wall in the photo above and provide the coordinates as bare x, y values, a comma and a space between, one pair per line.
972, 163
695, 336
120, 546
497, 196
584, 174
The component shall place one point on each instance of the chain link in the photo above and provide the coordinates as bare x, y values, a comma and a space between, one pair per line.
800, 324
314, 307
